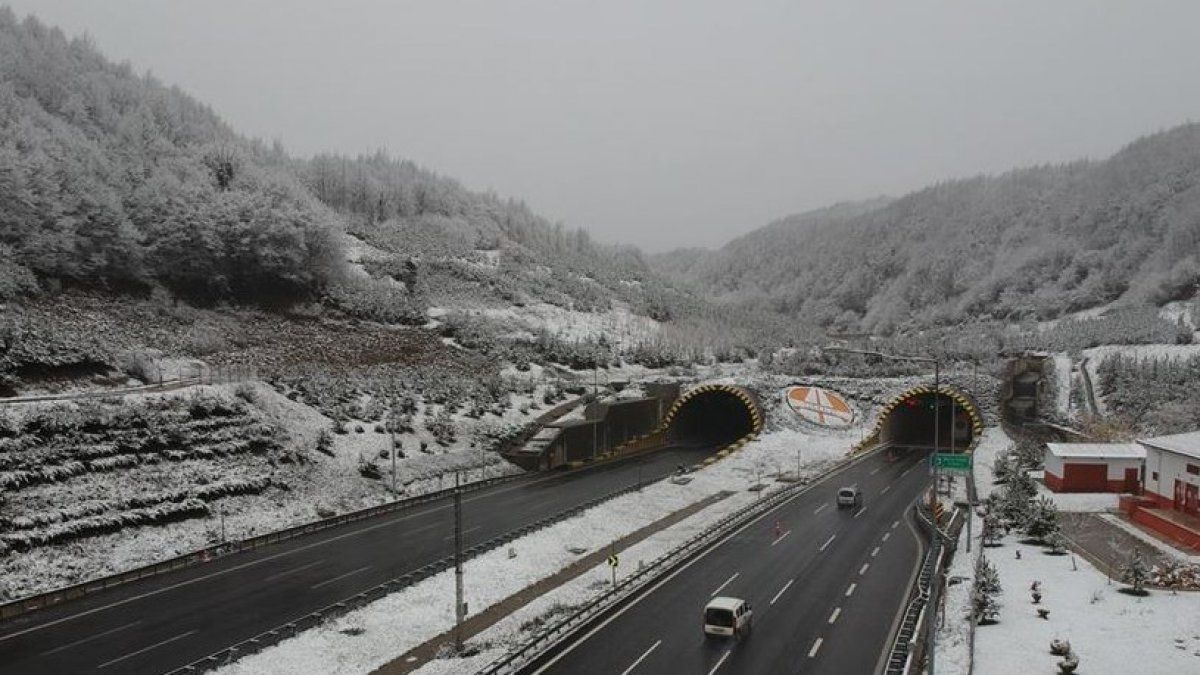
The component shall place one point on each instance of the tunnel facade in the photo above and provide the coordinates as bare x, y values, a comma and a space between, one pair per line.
923, 416
716, 414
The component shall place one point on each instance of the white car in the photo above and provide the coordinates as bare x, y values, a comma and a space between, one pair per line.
849, 497
727, 617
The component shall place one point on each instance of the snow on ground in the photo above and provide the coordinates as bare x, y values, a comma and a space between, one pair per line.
1062, 374
1081, 502
954, 635
993, 442
372, 636
617, 324
1109, 630
1165, 548
1096, 355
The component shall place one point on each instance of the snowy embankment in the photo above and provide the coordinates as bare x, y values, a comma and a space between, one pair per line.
370, 637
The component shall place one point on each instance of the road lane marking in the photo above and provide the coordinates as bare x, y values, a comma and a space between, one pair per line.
875, 552
863, 570
727, 582
828, 542
339, 577
875, 470
886, 535
723, 657
294, 569
850, 591
907, 470
143, 650
465, 532
783, 590
781, 537
89, 639
816, 646
885, 489
836, 612
641, 658
895, 524
820, 509
860, 512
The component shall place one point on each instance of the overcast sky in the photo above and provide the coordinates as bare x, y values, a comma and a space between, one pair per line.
669, 124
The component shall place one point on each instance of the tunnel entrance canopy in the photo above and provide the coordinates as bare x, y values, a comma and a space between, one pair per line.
909, 420
716, 415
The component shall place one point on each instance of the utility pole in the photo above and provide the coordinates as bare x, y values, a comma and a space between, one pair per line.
392, 436
797, 465
459, 606
222, 524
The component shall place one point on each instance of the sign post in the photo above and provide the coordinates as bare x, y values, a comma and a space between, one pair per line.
613, 561
949, 461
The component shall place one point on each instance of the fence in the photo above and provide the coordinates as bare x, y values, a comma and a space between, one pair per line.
275, 635
539, 646
58, 596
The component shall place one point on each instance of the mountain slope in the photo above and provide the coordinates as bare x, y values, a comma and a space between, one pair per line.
1034, 243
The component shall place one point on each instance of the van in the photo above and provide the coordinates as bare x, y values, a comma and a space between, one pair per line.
849, 497
727, 617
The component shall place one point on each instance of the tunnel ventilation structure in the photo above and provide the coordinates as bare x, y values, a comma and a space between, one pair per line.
908, 420
713, 414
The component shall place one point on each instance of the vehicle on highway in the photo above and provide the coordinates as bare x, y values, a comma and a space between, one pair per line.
849, 497
727, 617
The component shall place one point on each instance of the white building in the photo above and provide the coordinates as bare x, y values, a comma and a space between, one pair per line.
1173, 471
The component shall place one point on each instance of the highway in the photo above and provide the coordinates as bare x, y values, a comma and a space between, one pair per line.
164, 622
827, 587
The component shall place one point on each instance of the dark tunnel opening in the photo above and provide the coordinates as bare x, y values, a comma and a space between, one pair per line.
911, 423
711, 418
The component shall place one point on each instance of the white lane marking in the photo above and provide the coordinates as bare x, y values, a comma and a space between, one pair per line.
732, 535
895, 524
465, 532
902, 475
875, 470
294, 569
885, 489
783, 590
727, 582
875, 552
850, 591
816, 646
820, 509
860, 512
781, 537
828, 542
641, 658
863, 570
723, 657
339, 577
886, 535
89, 639
836, 612
143, 650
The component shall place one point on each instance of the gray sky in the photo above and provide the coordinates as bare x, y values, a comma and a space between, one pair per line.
673, 123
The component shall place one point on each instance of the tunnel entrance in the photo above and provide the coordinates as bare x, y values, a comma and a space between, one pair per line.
713, 415
909, 420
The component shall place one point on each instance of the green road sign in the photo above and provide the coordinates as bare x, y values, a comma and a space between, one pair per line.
952, 461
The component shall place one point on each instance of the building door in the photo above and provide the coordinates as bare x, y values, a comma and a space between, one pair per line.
1131, 481
1192, 500
1178, 503
1085, 478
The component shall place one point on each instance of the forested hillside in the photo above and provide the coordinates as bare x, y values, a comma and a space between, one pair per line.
1034, 243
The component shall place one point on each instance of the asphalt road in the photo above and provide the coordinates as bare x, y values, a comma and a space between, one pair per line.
826, 592
164, 622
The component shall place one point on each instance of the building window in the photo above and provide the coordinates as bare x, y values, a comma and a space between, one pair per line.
1193, 469
1153, 475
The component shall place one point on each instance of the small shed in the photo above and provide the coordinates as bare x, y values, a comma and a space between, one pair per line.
1094, 467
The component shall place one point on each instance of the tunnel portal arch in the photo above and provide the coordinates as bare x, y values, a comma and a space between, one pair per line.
908, 420
714, 414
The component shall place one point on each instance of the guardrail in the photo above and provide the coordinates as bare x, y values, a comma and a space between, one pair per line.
52, 598
906, 646
540, 644
312, 619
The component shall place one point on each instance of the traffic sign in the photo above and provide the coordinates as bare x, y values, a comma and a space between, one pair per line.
613, 561
952, 461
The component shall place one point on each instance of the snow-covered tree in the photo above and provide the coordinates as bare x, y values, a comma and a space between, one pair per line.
1042, 519
1136, 573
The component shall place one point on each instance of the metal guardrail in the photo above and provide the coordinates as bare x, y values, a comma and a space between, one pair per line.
55, 597
312, 619
540, 644
907, 647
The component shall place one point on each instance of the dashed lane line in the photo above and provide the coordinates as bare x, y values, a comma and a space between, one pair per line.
143, 650
721, 661
339, 577
828, 542
727, 582
863, 570
783, 590
885, 489
815, 648
97, 636
886, 535
781, 537
860, 512
850, 591
836, 613
820, 509
284, 573
875, 552
641, 658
